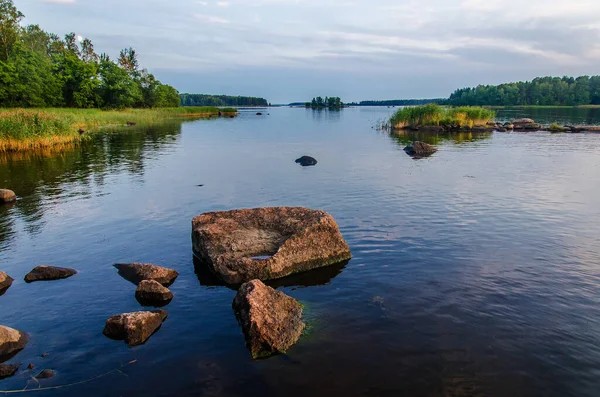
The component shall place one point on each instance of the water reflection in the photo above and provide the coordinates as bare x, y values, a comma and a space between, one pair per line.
316, 277
41, 178
563, 116
326, 115
406, 137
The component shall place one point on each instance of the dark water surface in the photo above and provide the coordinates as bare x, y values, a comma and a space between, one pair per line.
476, 272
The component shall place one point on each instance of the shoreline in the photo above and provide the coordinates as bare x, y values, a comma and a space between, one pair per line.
23, 129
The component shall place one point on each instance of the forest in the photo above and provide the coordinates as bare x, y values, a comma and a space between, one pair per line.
39, 69
542, 91
221, 100
328, 102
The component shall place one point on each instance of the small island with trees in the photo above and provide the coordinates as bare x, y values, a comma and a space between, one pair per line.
327, 103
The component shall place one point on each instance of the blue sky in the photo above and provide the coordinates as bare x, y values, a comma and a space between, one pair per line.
292, 50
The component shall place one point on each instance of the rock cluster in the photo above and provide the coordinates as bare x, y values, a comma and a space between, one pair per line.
271, 321
267, 243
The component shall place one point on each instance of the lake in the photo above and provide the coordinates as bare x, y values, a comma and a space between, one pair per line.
476, 271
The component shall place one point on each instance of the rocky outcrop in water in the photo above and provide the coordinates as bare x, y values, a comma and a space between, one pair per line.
526, 125
420, 149
5, 282
8, 370
11, 342
137, 272
271, 321
134, 328
46, 374
306, 161
49, 273
267, 243
7, 196
153, 293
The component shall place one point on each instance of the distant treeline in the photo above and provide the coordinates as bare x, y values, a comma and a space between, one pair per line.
542, 91
221, 100
39, 69
398, 102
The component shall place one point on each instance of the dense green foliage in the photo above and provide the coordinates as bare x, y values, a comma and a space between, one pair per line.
328, 102
398, 102
38, 69
221, 100
542, 91
436, 115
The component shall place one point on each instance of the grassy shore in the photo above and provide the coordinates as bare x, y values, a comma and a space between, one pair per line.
435, 115
25, 129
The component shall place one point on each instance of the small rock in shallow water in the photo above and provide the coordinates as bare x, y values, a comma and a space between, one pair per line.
30, 366
306, 161
418, 148
11, 342
46, 374
136, 272
8, 370
7, 196
271, 320
5, 282
134, 328
152, 293
49, 273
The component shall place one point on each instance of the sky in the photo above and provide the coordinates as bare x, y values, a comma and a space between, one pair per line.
294, 50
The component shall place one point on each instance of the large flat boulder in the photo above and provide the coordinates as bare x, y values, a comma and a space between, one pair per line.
526, 125
137, 272
134, 328
271, 320
153, 293
267, 243
5, 282
49, 273
11, 342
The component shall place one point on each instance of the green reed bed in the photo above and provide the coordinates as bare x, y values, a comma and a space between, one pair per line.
436, 115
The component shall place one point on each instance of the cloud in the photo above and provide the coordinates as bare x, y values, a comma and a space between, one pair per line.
443, 45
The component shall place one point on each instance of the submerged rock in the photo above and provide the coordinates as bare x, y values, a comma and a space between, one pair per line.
137, 272
134, 328
49, 273
8, 370
267, 243
271, 320
5, 282
46, 374
7, 196
152, 293
306, 161
11, 342
419, 148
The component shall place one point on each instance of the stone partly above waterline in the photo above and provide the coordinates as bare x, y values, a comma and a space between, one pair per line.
11, 342
7, 196
271, 320
49, 273
134, 328
267, 243
5, 282
306, 161
8, 370
153, 293
137, 272
419, 148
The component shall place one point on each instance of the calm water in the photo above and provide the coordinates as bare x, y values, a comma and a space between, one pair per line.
476, 272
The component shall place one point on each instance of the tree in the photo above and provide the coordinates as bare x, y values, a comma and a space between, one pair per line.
9, 27
128, 60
